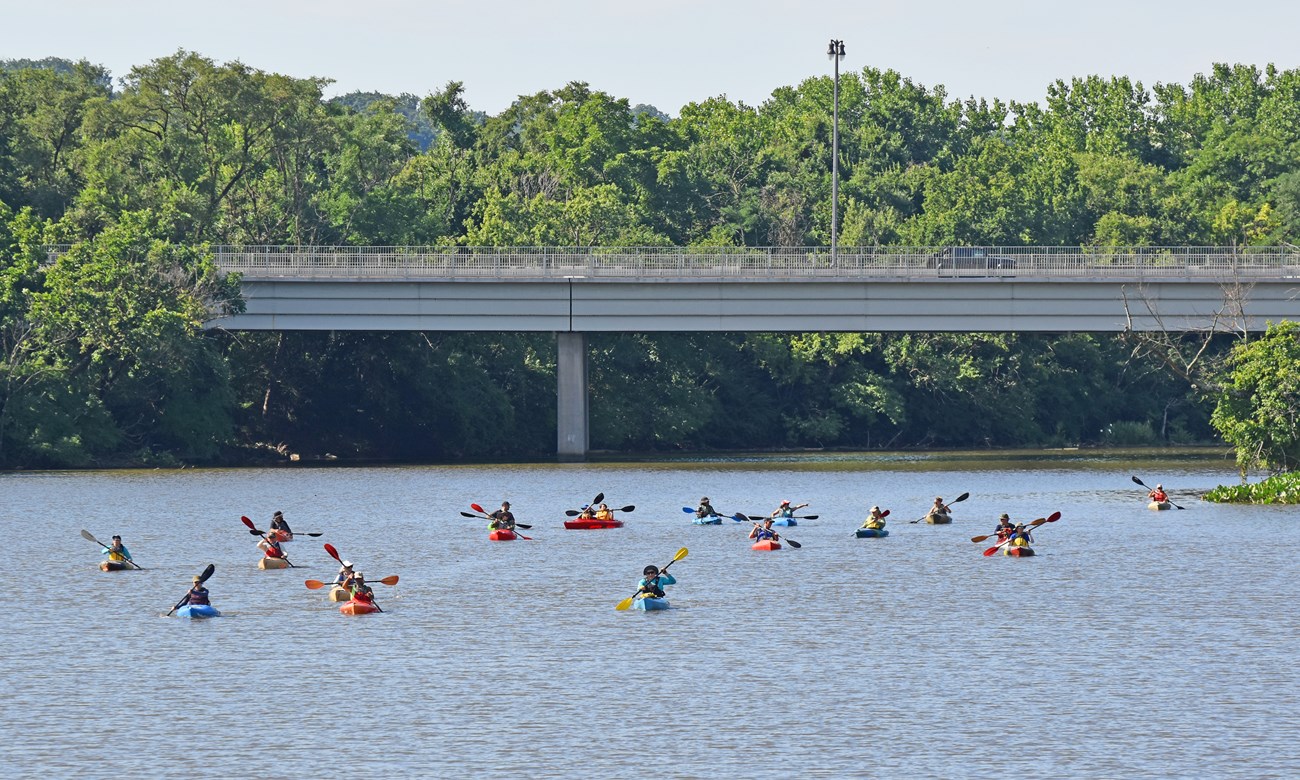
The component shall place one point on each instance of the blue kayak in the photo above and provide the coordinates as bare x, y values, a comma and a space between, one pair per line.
715, 520
198, 611
872, 533
650, 604
784, 521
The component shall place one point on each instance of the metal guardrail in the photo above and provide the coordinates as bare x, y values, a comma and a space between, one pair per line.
1248, 263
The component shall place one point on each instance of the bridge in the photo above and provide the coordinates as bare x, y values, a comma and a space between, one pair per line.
576, 291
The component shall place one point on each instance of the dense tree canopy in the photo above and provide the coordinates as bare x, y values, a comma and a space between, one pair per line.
102, 357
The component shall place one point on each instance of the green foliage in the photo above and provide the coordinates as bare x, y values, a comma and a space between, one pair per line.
1277, 489
1258, 412
103, 358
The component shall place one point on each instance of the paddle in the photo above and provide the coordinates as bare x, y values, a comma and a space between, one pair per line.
627, 602
317, 584
329, 548
186, 598
1167, 498
628, 508
485, 516
956, 500
883, 515
1034, 524
253, 529
86, 535
1052, 518
785, 539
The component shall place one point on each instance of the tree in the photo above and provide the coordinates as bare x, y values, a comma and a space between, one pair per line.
1258, 411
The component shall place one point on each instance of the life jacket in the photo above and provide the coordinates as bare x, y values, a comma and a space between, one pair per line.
363, 594
117, 554
605, 515
652, 588
706, 511
273, 549
198, 596
874, 523
786, 512
763, 533
1159, 496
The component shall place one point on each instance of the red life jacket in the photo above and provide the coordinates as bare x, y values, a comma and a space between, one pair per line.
273, 550
364, 596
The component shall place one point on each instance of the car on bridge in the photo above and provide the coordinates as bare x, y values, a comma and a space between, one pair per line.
972, 258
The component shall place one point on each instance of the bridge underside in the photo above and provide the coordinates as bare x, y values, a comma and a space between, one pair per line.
572, 308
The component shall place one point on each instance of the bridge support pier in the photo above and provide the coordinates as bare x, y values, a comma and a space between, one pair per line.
573, 437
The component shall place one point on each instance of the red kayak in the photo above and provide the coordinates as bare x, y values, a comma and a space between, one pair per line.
358, 608
592, 524
502, 535
767, 544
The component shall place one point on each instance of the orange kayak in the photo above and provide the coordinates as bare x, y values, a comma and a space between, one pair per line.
358, 608
767, 544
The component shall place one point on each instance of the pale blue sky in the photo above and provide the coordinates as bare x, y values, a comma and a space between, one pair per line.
665, 52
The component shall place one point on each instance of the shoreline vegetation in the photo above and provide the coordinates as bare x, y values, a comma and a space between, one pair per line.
104, 360
1277, 489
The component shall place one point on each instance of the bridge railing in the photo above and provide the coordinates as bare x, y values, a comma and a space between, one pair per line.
757, 262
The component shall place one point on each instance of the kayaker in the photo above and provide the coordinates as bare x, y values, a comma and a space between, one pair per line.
117, 551
604, 514
502, 518
360, 590
1005, 527
1020, 536
706, 509
760, 532
278, 524
939, 507
874, 520
785, 510
1158, 494
198, 595
652, 583
345, 574
588, 513
271, 546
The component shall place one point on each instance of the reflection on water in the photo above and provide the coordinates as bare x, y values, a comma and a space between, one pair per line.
1136, 643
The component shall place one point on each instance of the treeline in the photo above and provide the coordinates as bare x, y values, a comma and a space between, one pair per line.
103, 359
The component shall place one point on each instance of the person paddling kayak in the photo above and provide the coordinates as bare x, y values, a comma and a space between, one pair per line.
764, 532
345, 575
875, 520
117, 551
271, 546
198, 595
279, 525
652, 583
1005, 528
605, 514
785, 510
939, 509
1158, 494
1020, 537
360, 590
705, 509
502, 519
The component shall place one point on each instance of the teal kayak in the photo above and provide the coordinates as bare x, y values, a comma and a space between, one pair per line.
650, 604
714, 520
198, 611
784, 521
872, 533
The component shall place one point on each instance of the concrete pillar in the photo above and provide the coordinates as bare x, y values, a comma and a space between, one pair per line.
572, 430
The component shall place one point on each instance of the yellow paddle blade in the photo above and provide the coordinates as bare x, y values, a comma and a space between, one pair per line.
314, 584
390, 580
625, 604
680, 554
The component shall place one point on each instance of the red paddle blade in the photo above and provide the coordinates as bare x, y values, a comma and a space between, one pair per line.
1053, 517
329, 548
248, 523
885, 513
991, 550
478, 509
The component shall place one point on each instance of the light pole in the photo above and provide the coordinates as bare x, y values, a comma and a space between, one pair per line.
836, 53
